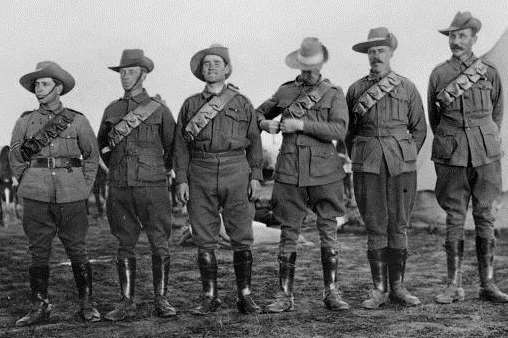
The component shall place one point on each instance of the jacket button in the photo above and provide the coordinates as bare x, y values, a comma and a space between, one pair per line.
53, 173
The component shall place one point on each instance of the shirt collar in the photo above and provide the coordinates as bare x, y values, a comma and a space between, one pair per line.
207, 94
137, 98
300, 82
376, 77
466, 63
45, 111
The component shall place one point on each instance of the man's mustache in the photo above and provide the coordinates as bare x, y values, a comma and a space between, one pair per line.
373, 61
456, 47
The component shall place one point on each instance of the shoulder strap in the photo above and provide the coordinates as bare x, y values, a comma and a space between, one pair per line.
130, 122
208, 112
461, 83
51, 130
306, 101
376, 92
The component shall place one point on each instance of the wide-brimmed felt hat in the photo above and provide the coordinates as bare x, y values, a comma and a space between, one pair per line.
379, 36
133, 58
311, 54
48, 69
462, 20
214, 49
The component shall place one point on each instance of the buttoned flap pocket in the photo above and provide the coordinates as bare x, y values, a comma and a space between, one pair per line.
324, 161
482, 91
321, 110
151, 169
286, 161
69, 137
444, 145
408, 149
491, 139
399, 104
149, 130
358, 151
237, 123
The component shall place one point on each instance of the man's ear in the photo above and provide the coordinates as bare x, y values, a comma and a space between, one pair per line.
228, 69
59, 89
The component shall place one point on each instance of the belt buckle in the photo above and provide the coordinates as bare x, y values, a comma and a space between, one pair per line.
51, 162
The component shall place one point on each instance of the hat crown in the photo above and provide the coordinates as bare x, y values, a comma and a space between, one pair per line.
131, 54
46, 64
461, 18
310, 47
378, 33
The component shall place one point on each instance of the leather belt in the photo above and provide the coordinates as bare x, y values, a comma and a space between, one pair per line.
55, 162
204, 155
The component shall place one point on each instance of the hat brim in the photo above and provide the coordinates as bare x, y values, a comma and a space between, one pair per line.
145, 62
195, 63
363, 47
68, 82
293, 62
472, 23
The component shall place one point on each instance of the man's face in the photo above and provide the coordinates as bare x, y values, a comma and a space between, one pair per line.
214, 69
461, 42
130, 76
379, 58
43, 89
311, 75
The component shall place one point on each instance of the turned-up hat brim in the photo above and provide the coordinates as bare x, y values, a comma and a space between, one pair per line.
197, 59
134, 58
48, 69
295, 60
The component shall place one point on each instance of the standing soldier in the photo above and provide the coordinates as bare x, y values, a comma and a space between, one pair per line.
465, 114
308, 168
54, 155
136, 142
387, 131
218, 160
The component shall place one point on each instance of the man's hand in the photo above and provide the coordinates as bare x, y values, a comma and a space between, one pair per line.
15, 182
182, 192
270, 126
291, 125
254, 190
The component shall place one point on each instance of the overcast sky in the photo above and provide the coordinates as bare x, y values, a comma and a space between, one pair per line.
85, 37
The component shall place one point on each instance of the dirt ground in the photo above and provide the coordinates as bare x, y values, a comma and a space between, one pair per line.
425, 274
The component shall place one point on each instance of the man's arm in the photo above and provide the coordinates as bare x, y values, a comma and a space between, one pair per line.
168, 136
181, 148
434, 114
416, 117
255, 150
350, 134
336, 126
18, 165
89, 150
497, 100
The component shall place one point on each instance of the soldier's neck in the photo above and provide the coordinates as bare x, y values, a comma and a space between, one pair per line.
215, 87
464, 57
53, 106
380, 74
134, 91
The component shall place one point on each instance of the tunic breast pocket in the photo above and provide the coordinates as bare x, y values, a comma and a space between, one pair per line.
69, 139
149, 129
482, 95
237, 122
320, 112
398, 105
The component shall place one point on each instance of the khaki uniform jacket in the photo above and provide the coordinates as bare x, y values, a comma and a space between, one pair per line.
309, 158
466, 132
394, 127
143, 158
57, 185
233, 128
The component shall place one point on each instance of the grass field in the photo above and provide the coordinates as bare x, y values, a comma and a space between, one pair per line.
425, 274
